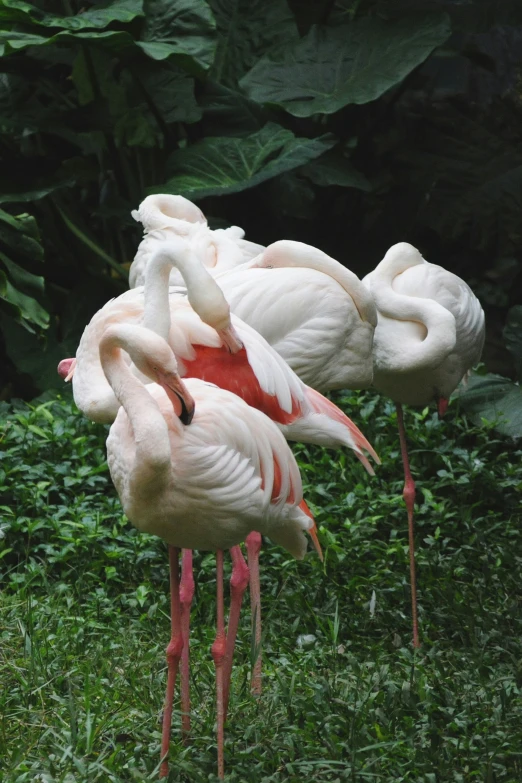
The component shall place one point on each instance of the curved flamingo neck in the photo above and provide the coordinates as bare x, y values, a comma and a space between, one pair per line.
288, 253
204, 294
149, 427
168, 211
439, 323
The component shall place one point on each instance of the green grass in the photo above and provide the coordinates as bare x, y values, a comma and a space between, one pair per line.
84, 618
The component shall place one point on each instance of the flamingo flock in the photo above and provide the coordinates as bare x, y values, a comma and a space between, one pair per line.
218, 354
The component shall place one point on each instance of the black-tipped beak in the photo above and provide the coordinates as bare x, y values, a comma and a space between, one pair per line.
186, 415
180, 397
230, 339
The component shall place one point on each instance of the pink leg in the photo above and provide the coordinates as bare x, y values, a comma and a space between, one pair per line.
238, 585
253, 545
409, 498
186, 594
173, 656
218, 654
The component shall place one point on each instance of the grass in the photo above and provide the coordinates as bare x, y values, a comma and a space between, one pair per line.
84, 618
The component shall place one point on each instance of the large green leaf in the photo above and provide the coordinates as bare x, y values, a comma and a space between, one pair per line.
513, 336
216, 166
333, 168
19, 237
228, 112
496, 399
30, 312
182, 27
332, 67
15, 236
170, 91
98, 17
246, 30
116, 41
24, 280
193, 52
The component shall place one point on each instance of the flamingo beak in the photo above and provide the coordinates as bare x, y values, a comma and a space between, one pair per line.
230, 339
442, 406
66, 369
180, 397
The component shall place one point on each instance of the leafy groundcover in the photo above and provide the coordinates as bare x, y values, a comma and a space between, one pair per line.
84, 607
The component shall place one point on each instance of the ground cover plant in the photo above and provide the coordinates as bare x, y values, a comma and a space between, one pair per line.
84, 617
349, 124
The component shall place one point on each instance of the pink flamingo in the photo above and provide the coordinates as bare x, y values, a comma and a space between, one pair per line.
430, 332
204, 486
211, 344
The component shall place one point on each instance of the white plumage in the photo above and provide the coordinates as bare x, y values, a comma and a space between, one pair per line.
258, 374
430, 329
315, 313
202, 486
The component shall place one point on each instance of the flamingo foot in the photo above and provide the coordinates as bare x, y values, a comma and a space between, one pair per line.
238, 584
409, 498
173, 657
218, 654
186, 594
253, 544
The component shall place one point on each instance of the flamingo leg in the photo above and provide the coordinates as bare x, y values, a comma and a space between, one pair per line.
186, 594
238, 585
218, 654
253, 545
173, 656
409, 498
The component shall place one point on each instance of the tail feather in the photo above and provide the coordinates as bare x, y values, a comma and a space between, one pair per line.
322, 405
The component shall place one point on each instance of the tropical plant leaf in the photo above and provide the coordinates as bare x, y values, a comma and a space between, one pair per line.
23, 280
332, 67
217, 165
227, 112
170, 91
513, 336
95, 18
333, 168
17, 235
182, 27
115, 41
246, 30
30, 312
496, 399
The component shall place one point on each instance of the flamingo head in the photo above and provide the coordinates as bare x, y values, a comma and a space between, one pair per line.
153, 356
66, 369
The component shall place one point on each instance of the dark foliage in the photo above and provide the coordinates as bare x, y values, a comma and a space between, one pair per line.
350, 125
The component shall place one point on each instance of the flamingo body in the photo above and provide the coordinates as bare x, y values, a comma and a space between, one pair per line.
256, 373
309, 320
430, 329
230, 472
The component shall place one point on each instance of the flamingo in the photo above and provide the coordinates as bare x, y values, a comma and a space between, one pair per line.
202, 486
315, 312
217, 250
211, 344
430, 332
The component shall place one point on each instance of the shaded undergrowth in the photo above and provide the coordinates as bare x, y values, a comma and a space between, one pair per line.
84, 618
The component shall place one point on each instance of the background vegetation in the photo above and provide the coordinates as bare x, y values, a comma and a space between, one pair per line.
349, 124
84, 618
